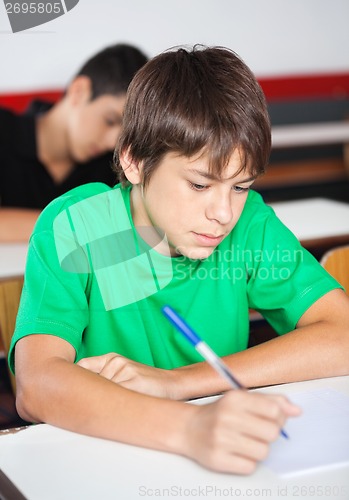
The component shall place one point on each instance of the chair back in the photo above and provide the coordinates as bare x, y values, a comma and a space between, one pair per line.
336, 262
10, 293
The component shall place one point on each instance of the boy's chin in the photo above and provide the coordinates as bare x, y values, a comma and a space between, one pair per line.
195, 253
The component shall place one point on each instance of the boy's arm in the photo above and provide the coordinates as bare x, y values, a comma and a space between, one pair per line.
16, 224
231, 434
318, 348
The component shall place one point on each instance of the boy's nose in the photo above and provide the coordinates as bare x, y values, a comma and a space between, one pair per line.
220, 209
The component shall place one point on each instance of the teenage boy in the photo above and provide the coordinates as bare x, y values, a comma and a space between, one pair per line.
44, 155
92, 350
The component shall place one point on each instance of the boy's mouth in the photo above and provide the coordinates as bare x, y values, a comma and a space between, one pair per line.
207, 239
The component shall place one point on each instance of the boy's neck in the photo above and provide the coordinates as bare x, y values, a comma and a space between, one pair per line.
52, 142
144, 225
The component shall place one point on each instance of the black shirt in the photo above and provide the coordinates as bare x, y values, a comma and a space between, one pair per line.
24, 180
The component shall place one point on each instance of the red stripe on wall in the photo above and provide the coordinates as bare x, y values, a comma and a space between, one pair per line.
298, 87
20, 101
286, 88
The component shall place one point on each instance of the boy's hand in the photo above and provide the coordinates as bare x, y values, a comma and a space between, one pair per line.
234, 433
130, 374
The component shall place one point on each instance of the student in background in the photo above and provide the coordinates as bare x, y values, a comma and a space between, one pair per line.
46, 153
93, 352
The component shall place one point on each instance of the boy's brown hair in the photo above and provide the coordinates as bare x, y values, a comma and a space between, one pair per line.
200, 100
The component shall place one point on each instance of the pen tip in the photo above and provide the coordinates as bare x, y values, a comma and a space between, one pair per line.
284, 434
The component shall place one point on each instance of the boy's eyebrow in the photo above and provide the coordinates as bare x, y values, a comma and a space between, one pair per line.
213, 177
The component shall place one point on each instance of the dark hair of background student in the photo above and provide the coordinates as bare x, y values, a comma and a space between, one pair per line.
112, 69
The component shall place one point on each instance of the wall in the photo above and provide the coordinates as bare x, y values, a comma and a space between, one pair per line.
298, 50
275, 37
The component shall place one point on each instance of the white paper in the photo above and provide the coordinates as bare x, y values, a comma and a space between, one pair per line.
318, 438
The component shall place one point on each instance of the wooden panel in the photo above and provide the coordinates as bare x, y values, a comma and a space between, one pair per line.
10, 292
336, 262
304, 172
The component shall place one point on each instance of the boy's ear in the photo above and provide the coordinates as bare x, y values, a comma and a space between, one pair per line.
132, 169
79, 90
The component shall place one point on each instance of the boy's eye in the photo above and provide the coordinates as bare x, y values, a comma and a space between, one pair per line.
197, 187
113, 122
240, 189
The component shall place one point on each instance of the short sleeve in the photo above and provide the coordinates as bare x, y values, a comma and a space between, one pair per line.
284, 279
53, 300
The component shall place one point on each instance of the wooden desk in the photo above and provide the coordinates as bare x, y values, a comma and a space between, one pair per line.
12, 264
319, 223
304, 174
49, 463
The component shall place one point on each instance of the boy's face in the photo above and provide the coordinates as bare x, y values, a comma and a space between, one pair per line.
94, 126
194, 210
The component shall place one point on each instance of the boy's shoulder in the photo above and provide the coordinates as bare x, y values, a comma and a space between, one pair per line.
17, 132
83, 191
256, 218
11, 119
255, 198
7, 114
8, 122
255, 208
91, 197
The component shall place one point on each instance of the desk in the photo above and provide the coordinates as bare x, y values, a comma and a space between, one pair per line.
319, 223
315, 222
12, 264
12, 259
310, 134
49, 463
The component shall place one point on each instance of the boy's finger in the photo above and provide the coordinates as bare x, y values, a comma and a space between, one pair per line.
95, 364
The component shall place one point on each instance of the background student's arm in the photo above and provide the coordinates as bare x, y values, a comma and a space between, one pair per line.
318, 348
231, 434
16, 224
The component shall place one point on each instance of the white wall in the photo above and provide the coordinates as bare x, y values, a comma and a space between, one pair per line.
275, 37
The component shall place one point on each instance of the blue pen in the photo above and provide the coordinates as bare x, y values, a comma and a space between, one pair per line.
205, 350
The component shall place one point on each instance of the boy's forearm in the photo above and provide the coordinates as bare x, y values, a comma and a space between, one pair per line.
314, 351
231, 435
73, 398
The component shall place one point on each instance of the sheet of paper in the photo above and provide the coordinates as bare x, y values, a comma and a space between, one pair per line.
318, 438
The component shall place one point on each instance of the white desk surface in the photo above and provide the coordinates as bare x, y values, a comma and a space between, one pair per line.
308, 219
49, 463
314, 218
12, 259
310, 134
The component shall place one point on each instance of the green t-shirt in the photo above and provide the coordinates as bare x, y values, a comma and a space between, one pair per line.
93, 281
